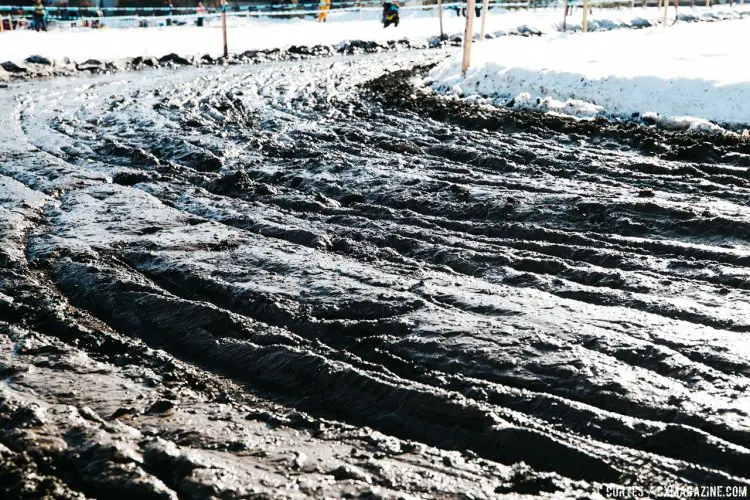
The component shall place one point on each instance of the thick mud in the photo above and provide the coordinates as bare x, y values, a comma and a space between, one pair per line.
308, 279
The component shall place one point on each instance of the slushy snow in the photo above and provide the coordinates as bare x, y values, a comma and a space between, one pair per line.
683, 76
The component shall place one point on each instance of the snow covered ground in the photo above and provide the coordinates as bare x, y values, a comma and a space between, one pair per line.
264, 33
679, 76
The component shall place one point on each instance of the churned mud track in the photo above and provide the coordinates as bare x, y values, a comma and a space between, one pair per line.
312, 279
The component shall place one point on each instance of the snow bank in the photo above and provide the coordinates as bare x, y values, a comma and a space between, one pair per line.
266, 33
679, 76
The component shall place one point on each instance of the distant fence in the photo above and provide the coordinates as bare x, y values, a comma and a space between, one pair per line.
156, 16
74, 13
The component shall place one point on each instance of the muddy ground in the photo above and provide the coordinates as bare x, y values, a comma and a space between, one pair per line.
310, 279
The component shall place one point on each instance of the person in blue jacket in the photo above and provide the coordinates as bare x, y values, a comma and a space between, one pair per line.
390, 13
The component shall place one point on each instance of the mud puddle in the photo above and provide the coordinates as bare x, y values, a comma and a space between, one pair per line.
305, 279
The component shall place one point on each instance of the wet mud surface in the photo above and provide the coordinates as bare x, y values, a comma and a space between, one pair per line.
309, 279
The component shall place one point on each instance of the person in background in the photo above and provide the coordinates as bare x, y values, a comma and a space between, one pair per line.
40, 16
201, 11
477, 9
390, 13
168, 11
324, 6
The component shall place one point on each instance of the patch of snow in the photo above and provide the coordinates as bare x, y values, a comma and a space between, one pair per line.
571, 107
687, 123
681, 77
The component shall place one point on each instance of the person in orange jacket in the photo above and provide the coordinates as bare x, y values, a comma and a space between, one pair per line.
325, 5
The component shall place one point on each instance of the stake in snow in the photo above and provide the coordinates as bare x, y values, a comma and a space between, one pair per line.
468, 36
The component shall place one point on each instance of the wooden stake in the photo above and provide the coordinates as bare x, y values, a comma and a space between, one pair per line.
565, 16
484, 18
585, 15
468, 36
224, 26
440, 16
666, 8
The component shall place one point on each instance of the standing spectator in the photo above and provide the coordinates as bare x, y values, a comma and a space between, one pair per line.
201, 11
324, 6
390, 13
169, 12
40, 16
477, 10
